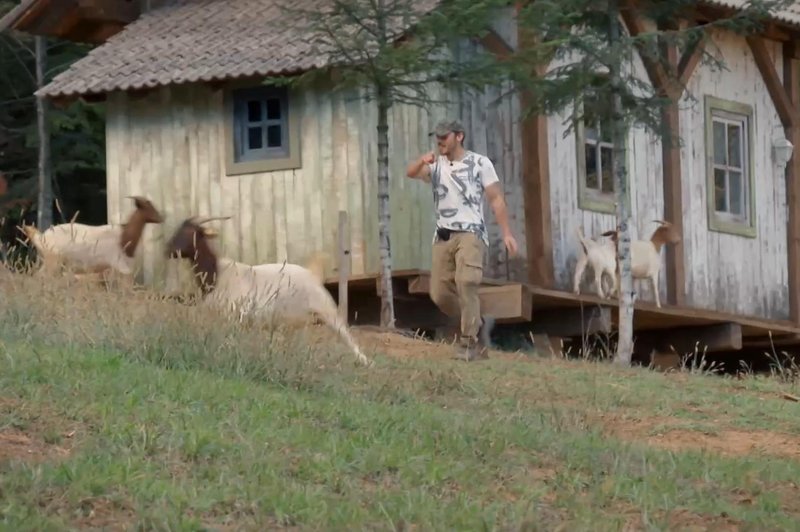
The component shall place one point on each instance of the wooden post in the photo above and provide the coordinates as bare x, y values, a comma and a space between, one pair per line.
344, 264
45, 208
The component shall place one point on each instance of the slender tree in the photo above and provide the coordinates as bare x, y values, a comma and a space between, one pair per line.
45, 203
395, 52
597, 79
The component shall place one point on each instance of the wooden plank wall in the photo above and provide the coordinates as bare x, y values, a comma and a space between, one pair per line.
728, 272
494, 129
647, 198
714, 278
168, 145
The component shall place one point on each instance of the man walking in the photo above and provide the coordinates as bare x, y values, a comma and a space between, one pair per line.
460, 179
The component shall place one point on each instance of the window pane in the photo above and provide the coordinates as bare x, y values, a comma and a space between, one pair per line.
254, 111
734, 145
719, 143
720, 201
590, 156
274, 137
605, 131
737, 199
606, 158
254, 138
273, 109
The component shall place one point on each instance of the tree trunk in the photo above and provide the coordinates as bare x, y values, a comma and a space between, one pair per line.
387, 297
624, 218
45, 203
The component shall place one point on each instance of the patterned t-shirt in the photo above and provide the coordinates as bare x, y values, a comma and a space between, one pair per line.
458, 190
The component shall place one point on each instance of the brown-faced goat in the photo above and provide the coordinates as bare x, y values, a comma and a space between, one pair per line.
93, 249
280, 290
646, 254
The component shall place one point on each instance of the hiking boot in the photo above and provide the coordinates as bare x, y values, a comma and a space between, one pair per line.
485, 332
471, 350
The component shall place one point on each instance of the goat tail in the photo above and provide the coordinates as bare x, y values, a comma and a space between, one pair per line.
584, 243
316, 265
33, 235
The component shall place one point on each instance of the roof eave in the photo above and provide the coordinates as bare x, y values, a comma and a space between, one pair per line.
86, 21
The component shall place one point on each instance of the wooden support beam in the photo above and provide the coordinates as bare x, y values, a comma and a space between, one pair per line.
672, 187
655, 71
791, 82
495, 44
777, 341
690, 59
535, 153
708, 338
344, 264
116, 11
777, 92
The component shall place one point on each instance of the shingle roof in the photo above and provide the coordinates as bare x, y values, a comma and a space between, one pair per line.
196, 40
789, 15
208, 40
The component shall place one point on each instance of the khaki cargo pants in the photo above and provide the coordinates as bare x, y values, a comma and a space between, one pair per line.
456, 274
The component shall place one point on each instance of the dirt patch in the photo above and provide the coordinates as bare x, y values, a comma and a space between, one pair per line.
727, 442
16, 445
686, 520
101, 513
33, 434
406, 345
730, 442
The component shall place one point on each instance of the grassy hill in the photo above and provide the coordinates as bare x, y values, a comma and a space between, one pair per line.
126, 411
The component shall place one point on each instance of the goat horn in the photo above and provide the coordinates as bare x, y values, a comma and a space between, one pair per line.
661, 222
211, 219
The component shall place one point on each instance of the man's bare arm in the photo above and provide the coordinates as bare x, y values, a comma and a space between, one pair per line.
418, 169
494, 193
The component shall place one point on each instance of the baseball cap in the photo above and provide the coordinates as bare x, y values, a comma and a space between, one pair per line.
446, 126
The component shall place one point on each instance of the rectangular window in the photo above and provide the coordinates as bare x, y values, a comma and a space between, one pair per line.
262, 131
730, 176
595, 157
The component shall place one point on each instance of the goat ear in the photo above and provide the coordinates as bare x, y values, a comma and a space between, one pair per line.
609, 233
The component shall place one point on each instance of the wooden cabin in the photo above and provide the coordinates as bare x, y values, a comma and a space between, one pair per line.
190, 125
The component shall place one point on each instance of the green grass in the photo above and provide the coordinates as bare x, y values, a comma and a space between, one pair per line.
245, 429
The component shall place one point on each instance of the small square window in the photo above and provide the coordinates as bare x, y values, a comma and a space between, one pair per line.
263, 133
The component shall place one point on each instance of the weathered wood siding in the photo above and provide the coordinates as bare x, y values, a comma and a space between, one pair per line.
728, 272
492, 121
717, 277
169, 147
646, 190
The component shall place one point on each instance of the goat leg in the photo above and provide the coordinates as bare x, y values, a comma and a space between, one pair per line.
654, 282
580, 266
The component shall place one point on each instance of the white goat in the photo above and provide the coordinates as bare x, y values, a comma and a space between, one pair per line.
602, 258
646, 254
92, 249
287, 291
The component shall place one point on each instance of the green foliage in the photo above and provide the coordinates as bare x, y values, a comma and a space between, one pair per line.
77, 132
575, 32
397, 46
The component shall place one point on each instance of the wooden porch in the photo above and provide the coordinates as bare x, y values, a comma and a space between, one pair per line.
550, 316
